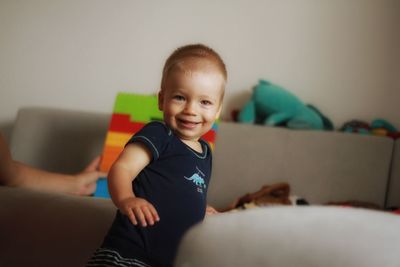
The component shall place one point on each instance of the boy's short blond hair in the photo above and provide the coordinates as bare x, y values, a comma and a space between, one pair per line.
192, 51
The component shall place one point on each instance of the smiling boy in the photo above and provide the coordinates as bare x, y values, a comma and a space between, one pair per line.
159, 182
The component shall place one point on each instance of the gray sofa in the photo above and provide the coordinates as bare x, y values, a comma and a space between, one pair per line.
46, 229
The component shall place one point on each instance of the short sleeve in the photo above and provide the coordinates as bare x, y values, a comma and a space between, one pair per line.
155, 136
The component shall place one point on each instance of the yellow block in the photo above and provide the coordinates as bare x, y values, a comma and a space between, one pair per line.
117, 139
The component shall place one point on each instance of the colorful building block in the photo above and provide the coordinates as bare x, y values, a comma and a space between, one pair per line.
130, 113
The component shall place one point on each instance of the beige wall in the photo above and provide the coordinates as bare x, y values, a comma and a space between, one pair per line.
342, 56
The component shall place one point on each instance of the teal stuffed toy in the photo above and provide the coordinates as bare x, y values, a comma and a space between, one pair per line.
275, 106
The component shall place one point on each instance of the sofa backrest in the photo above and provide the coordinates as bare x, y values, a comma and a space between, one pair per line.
319, 166
394, 183
58, 140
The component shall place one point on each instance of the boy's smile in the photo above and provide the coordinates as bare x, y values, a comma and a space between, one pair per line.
191, 101
188, 124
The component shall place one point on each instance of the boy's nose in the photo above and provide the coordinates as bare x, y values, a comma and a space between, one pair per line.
190, 108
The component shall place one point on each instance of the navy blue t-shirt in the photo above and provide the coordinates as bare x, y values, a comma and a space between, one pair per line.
176, 183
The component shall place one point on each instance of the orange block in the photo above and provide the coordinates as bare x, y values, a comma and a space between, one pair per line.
110, 154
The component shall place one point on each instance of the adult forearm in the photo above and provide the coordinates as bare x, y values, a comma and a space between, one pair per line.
7, 174
14, 173
29, 177
7, 170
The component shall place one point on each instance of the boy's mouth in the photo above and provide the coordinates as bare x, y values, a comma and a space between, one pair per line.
188, 124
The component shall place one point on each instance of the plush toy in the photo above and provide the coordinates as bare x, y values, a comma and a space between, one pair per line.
356, 126
378, 127
384, 128
275, 106
268, 195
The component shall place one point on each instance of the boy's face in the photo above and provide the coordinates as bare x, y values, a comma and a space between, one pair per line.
191, 101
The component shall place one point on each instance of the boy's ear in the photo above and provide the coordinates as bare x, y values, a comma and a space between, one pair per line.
160, 100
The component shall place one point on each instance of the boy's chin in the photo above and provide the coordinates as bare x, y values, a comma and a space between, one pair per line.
188, 138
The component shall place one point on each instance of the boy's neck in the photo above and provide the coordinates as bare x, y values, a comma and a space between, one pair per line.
195, 145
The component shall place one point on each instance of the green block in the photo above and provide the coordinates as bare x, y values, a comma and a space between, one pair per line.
141, 108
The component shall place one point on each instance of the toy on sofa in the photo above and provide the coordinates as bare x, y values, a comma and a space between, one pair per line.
382, 127
356, 126
379, 127
268, 195
275, 106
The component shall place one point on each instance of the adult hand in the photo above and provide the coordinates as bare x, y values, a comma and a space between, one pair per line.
86, 180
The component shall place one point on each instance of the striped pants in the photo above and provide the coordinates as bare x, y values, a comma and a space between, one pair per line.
104, 257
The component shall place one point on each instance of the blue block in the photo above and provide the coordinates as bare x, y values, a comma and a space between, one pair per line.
102, 188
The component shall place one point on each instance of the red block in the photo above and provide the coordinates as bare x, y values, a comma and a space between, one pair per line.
123, 123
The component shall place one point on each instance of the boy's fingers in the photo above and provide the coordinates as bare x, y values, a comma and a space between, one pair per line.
154, 213
212, 210
140, 216
148, 215
132, 217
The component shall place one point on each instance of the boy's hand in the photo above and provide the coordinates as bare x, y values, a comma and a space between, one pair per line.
139, 210
210, 210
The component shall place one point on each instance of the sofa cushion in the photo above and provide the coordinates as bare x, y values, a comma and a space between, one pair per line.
293, 236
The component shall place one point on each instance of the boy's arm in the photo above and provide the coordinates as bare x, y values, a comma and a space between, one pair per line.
133, 159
